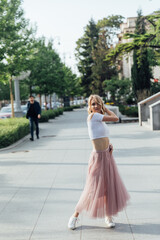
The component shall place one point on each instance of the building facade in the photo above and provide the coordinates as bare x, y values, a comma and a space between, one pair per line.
127, 60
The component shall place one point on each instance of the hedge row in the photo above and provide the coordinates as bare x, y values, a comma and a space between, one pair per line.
50, 114
129, 111
13, 129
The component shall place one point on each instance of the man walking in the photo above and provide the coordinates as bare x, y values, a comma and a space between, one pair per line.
33, 113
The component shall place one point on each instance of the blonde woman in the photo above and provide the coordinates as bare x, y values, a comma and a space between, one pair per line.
104, 194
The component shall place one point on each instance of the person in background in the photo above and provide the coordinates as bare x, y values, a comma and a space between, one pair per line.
33, 114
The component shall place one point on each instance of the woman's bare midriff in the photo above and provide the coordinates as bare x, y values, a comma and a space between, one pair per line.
100, 144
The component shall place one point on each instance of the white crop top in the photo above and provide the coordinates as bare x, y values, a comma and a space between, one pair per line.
97, 128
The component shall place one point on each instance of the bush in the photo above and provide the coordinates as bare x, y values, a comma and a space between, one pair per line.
44, 116
68, 108
76, 106
60, 110
11, 130
129, 111
132, 111
50, 114
56, 112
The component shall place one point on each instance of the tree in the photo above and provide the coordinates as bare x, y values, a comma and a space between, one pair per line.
101, 69
44, 69
84, 49
4, 91
140, 72
16, 40
149, 39
69, 85
91, 51
119, 89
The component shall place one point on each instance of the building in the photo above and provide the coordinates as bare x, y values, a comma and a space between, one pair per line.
127, 60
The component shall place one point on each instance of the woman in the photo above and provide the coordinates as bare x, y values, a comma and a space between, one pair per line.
104, 194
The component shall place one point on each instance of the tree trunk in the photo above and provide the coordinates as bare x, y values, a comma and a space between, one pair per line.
30, 90
40, 100
50, 101
142, 94
45, 97
11, 96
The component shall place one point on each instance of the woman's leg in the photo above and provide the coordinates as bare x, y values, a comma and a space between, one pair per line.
76, 214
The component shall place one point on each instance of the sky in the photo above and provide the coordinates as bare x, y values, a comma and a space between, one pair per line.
64, 20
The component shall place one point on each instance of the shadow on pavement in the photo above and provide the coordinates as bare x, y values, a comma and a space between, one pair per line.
145, 228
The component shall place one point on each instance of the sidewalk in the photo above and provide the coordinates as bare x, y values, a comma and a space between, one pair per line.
41, 182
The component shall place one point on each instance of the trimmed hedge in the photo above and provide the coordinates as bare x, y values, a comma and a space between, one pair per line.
44, 116
68, 108
129, 111
13, 129
50, 114
79, 106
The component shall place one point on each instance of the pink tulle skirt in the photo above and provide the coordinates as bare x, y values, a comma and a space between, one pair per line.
104, 193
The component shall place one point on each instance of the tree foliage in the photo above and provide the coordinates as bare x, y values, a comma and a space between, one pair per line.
148, 39
141, 72
85, 46
16, 37
119, 89
91, 51
21, 51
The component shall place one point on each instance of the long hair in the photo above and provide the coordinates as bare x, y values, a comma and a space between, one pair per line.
99, 100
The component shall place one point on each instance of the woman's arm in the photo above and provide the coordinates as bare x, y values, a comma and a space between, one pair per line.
111, 116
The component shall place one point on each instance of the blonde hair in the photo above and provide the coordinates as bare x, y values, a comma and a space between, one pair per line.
99, 100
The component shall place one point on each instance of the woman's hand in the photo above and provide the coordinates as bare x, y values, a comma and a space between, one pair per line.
110, 148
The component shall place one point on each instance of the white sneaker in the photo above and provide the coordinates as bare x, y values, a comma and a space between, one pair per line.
72, 223
109, 222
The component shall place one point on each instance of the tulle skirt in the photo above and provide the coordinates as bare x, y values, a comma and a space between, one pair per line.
104, 193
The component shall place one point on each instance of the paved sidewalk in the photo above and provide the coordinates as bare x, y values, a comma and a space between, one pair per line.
41, 182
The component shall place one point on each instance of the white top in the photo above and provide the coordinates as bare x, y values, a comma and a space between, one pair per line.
97, 128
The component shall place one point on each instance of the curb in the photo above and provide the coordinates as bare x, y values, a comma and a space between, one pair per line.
16, 143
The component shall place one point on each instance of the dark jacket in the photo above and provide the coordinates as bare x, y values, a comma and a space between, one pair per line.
37, 108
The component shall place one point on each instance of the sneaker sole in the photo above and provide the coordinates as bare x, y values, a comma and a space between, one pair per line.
71, 228
110, 226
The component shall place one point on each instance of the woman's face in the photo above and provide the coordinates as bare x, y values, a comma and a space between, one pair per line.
95, 107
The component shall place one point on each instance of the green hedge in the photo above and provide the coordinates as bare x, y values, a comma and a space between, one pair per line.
68, 108
11, 130
50, 114
76, 106
129, 111
44, 116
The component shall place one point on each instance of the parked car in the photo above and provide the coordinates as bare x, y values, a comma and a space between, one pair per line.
56, 104
24, 109
6, 112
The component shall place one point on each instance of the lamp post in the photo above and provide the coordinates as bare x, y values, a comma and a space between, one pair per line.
18, 111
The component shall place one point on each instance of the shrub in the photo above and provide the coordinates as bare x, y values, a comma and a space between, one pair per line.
60, 110
11, 130
68, 108
51, 114
132, 111
44, 116
129, 111
56, 112
76, 106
